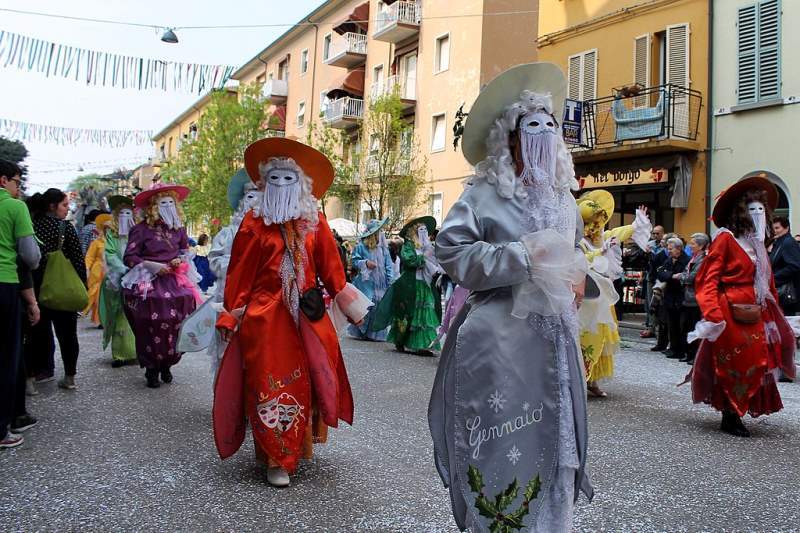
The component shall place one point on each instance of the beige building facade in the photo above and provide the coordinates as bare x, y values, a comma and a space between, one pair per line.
437, 56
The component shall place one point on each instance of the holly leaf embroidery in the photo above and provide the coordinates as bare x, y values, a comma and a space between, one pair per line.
475, 479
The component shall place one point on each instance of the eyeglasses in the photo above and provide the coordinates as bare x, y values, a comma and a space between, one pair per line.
16, 180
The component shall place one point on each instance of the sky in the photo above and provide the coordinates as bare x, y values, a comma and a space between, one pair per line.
34, 98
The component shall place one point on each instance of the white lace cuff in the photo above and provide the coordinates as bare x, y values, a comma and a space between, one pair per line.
642, 228
140, 278
706, 330
349, 303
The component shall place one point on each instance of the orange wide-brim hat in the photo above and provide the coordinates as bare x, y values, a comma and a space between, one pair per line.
313, 162
143, 198
727, 199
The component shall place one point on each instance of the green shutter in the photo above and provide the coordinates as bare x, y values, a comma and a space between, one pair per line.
769, 37
747, 76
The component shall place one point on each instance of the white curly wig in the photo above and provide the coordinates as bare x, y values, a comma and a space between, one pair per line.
498, 167
302, 205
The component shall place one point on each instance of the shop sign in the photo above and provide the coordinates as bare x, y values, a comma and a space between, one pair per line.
624, 178
571, 127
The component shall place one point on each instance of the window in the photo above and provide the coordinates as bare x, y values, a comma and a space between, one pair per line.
583, 76
438, 126
304, 61
436, 207
759, 57
301, 114
326, 46
442, 61
193, 131
163, 151
261, 79
323, 102
283, 70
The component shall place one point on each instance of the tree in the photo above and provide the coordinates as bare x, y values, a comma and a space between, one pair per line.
394, 174
228, 125
333, 144
15, 152
88, 180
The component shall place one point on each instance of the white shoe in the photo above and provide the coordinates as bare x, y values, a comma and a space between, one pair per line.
278, 477
12, 440
30, 387
67, 383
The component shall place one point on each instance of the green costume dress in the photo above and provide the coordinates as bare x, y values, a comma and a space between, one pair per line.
412, 306
116, 329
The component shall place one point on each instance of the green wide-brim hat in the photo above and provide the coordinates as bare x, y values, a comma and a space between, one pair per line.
236, 187
429, 222
118, 201
504, 90
373, 226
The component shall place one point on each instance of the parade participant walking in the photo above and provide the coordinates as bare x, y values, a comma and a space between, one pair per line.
746, 339
284, 361
508, 408
374, 273
49, 210
116, 329
96, 267
411, 306
598, 318
159, 289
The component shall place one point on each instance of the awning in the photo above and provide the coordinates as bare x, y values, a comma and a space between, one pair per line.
277, 119
355, 22
389, 2
352, 84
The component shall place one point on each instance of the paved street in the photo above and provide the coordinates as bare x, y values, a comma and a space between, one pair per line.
115, 456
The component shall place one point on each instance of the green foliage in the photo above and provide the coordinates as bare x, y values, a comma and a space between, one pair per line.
87, 180
333, 143
228, 125
15, 152
501, 521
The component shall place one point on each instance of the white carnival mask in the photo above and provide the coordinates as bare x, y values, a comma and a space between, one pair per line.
282, 191
168, 211
759, 215
538, 139
125, 221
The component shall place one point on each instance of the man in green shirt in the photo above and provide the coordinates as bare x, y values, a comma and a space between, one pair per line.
16, 240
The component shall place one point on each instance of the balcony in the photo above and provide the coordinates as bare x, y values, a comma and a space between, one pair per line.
398, 22
275, 91
393, 164
404, 87
654, 120
344, 113
348, 51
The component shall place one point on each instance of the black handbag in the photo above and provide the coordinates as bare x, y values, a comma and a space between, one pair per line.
312, 304
787, 294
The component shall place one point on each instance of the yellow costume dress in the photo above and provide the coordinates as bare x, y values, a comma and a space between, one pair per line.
599, 335
96, 269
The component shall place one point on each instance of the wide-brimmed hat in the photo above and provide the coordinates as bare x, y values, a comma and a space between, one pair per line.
236, 187
118, 201
312, 161
503, 91
591, 202
102, 220
727, 199
143, 198
373, 226
429, 222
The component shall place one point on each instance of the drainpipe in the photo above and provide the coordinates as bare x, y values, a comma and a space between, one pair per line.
311, 115
710, 113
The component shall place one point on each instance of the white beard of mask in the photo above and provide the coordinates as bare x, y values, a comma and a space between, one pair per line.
281, 200
538, 139
759, 216
251, 200
125, 222
169, 213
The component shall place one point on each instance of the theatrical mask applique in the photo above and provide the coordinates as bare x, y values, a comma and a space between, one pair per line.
281, 412
125, 221
168, 211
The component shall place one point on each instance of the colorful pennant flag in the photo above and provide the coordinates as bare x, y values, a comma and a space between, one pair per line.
108, 70
25, 131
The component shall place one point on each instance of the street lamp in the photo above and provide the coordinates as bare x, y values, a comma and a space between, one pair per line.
169, 36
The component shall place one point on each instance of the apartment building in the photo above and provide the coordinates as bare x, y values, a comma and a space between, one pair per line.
437, 54
638, 71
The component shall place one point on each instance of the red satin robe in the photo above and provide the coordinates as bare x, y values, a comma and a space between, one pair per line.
734, 372
295, 382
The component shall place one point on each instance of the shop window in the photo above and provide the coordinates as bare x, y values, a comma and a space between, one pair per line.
438, 130
759, 55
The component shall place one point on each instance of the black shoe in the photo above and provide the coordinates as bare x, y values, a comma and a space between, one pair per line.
166, 375
425, 353
23, 423
401, 349
784, 379
733, 425
151, 374
689, 361
116, 363
658, 348
672, 355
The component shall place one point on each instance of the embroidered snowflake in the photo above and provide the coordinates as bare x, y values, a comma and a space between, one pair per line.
173, 313
496, 401
514, 455
157, 340
526, 406
149, 349
164, 325
154, 316
167, 294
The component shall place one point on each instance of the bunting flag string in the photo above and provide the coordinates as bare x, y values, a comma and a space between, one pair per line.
25, 131
104, 69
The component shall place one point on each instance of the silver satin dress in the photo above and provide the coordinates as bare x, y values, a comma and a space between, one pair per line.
509, 397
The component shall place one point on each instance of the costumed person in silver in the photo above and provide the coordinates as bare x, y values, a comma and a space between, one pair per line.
508, 408
374, 273
198, 331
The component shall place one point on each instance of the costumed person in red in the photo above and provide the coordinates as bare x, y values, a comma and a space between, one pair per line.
746, 339
160, 288
283, 368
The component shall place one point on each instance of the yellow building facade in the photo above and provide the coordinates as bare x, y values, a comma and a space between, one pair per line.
640, 69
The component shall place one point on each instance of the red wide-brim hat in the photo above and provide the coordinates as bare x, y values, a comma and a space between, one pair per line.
143, 198
727, 199
312, 161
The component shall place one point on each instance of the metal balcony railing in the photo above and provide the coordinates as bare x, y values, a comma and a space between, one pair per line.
398, 13
346, 108
403, 86
654, 113
400, 163
349, 43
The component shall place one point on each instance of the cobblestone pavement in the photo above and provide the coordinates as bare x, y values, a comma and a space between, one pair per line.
115, 456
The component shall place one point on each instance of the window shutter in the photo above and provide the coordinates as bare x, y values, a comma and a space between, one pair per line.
748, 45
678, 55
589, 75
769, 29
641, 66
574, 75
